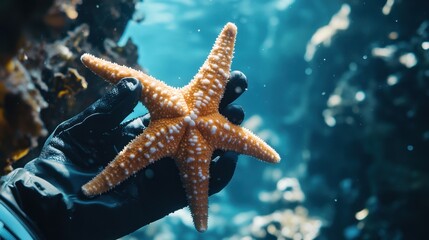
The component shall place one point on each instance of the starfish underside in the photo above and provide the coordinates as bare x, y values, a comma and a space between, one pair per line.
185, 125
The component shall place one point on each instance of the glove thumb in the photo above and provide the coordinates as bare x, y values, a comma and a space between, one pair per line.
109, 111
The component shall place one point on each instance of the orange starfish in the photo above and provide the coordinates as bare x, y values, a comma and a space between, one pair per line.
185, 125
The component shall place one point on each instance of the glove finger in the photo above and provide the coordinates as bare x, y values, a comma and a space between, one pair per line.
234, 113
107, 112
237, 84
129, 130
139, 123
222, 170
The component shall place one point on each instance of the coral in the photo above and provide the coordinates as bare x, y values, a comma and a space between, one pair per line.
286, 224
40, 71
20, 106
289, 219
373, 130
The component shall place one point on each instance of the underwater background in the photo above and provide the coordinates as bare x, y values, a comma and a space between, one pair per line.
340, 88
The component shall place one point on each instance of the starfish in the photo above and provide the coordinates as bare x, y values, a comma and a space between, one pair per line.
185, 125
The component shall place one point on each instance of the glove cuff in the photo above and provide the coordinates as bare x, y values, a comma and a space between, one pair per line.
13, 226
13, 222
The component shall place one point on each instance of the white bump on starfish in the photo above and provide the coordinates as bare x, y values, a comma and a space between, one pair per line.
199, 94
223, 73
215, 57
217, 82
193, 115
187, 119
213, 129
205, 81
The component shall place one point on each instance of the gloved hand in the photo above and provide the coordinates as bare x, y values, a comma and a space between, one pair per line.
47, 190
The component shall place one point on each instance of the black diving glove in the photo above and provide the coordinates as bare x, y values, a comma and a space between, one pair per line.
46, 194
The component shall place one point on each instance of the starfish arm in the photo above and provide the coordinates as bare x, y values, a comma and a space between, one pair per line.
159, 140
193, 160
224, 135
206, 89
161, 100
